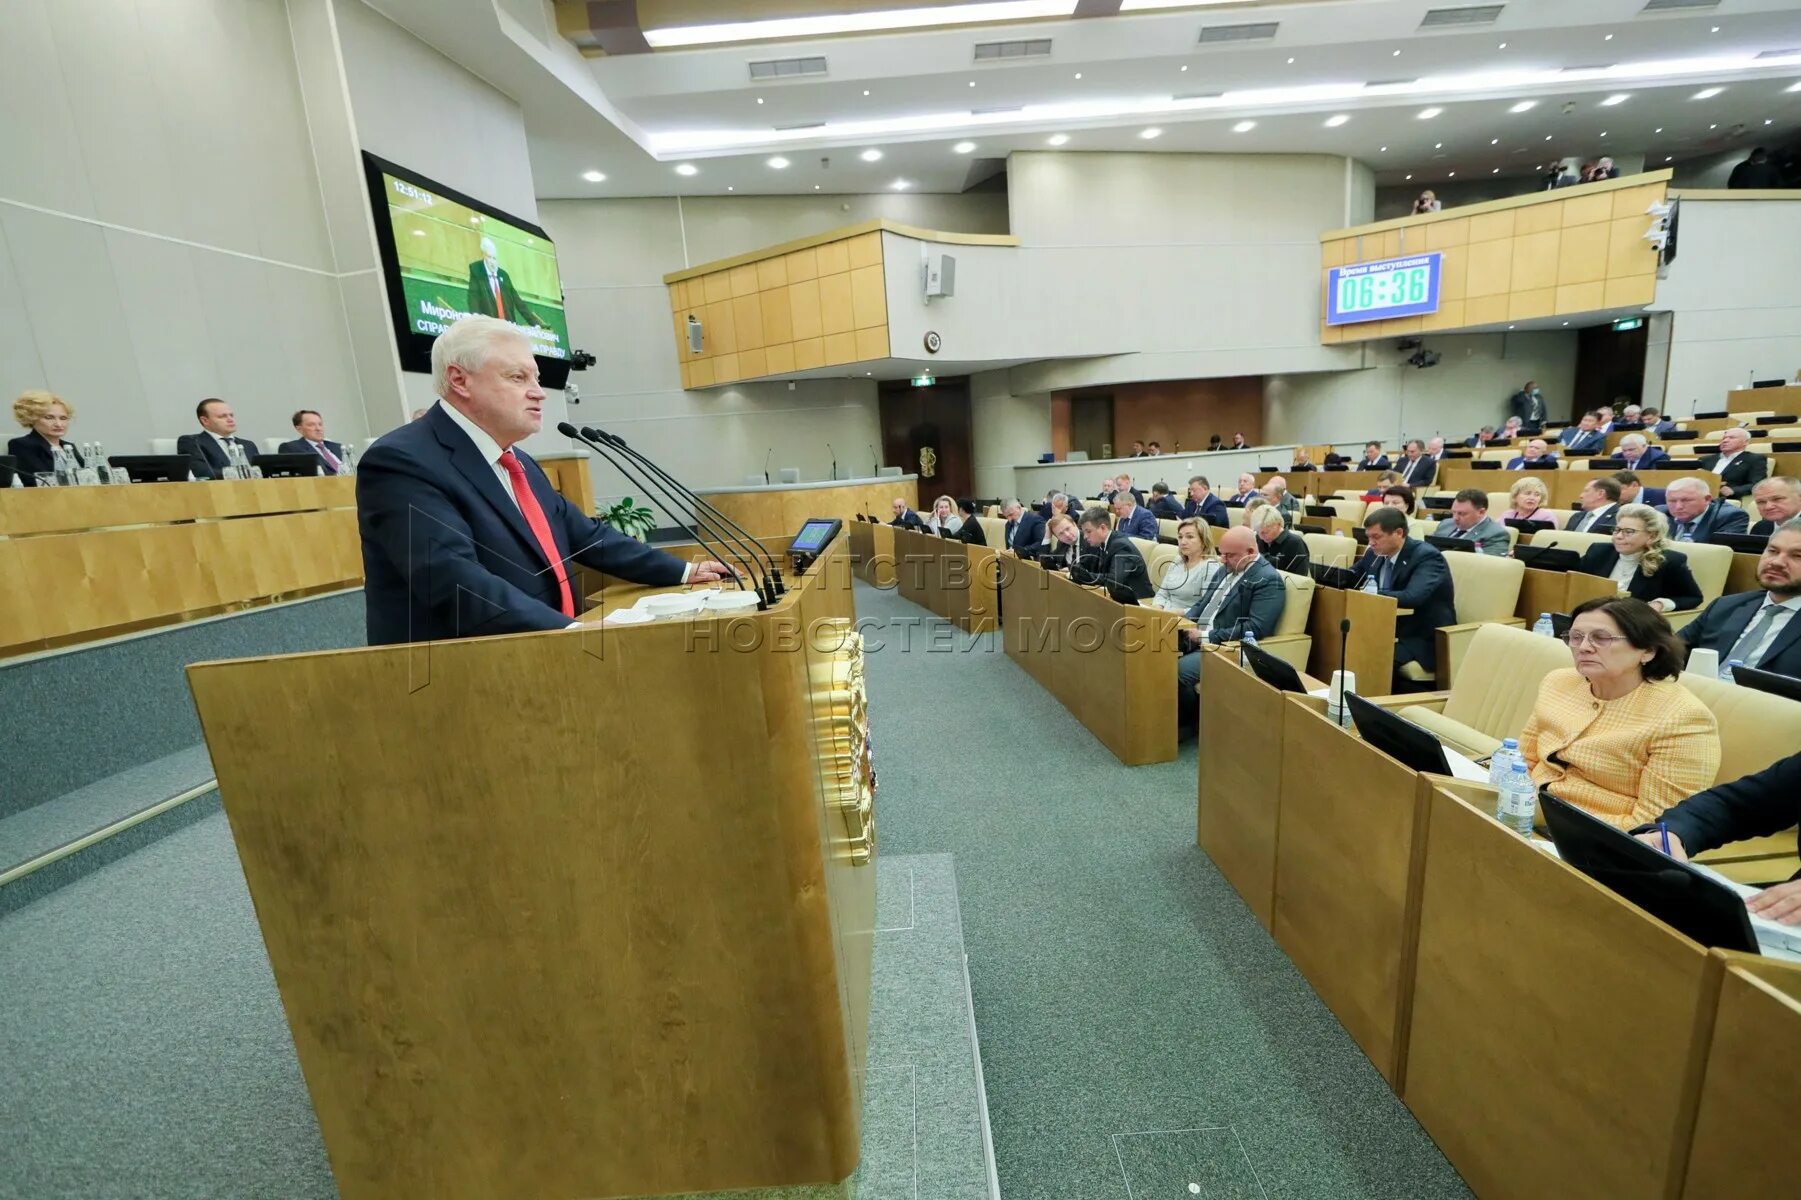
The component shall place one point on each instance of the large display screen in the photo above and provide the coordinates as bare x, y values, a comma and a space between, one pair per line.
1376, 291
446, 256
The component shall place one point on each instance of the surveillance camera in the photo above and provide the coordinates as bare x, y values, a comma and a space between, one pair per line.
1408, 344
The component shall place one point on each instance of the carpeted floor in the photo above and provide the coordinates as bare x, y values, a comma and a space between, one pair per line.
1138, 1028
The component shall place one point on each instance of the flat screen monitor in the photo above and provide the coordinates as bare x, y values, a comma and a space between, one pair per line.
1274, 671
815, 535
1741, 543
153, 468
279, 466
9, 467
1456, 545
446, 255
1547, 558
1786, 686
1400, 739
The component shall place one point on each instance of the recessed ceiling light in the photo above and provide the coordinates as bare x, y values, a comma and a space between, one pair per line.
816, 187
1502, 46
1078, 74
1291, 61
1336, 119
1148, 134
1659, 129
1453, 175
594, 176
1426, 114
1057, 139
1496, 171
1244, 127
856, 22
1184, 66
1384, 150
1667, 158
1547, 137
778, 163
1603, 133
972, 83
1608, 38
730, 188
1713, 126
866, 91
1510, 327
1707, 93
1566, 322
1410, 177
1523, 106
1494, 141
1438, 145
1769, 121
963, 147
900, 185
1715, 29
686, 169
1616, 98
1793, 87
871, 155
1396, 54
759, 99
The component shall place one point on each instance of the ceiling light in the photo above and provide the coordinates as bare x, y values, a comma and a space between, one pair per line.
1496, 171
594, 176
1410, 177
1438, 145
1659, 129
1547, 137
1291, 61
686, 169
866, 91
1453, 175
1616, 98
900, 185
730, 188
759, 99
1707, 93
1244, 127
1148, 134
963, 147
1078, 74
972, 83
1715, 29
816, 187
1566, 322
1713, 126
1057, 139
856, 22
871, 155
1384, 150
1523, 106
1426, 114
1396, 54
1494, 141
1603, 133
1608, 38
1502, 46
1769, 121
1335, 120
1667, 158
1793, 87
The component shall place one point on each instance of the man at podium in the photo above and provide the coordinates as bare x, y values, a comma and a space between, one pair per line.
463, 536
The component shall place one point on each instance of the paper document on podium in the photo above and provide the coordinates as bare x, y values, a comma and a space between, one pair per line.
1465, 768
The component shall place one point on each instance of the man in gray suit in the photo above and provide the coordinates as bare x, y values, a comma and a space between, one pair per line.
1469, 521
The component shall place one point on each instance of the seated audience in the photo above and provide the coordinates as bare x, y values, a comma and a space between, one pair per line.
1061, 505
1026, 529
1528, 499
1637, 452
1778, 499
1435, 449
1184, 575
1137, 449
1416, 469
1596, 506
1759, 628
1584, 438
1163, 505
1537, 456
1247, 487
1617, 734
1512, 429
1373, 458
943, 518
1655, 422
1401, 497
1302, 461
1248, 595
1156, 448
1631, 417
1737, 468
906, 518
1238, 442
1469, 521
1641, 565
1064, 549
1107, 488
1133, 521
969, 530
46, 417
1695, 516
1415, 575
1384, 481
1111, 558
1481, 438
206, 450
1281, 547
1204, 504
1276, 492
1124, 482
311, 428
1633, 490
1759, 805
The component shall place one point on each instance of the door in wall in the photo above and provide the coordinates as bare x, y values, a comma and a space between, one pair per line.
1610, 367
1091, 425
926, 432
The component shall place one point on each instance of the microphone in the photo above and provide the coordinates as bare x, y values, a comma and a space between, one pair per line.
766, 459
772, 573
1344, 637
570, 431
875, 462
834, 454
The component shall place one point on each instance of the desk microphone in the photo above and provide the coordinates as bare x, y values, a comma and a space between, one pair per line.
699, 506
1344, 641
834, 454
875, 462
766, 459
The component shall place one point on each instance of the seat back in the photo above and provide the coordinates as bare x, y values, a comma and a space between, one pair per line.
1166, 527
1157, 556
1348, 510
1331, 549
1497, 683
1488, 586
1709, 564
995, 530
1505, 454
1756, 728
1297, 604
1569, 540
166, 446
1422, 527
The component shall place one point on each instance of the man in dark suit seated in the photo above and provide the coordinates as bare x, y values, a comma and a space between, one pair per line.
1247, 487
1134, 521
1762, 629
1638, 454
1695, 516
1373, 458
1124, 483
1596, 506
1415, 574
1738, 469
1759, 805
1778, 499
1417, 471
969, 532
206, 451
1633, 490
1584, 439
1163, 505
1111, 557
1025, 528
1537, 456
1655, 422
906, 518
1469, 520
1248, 595
1203, 504
463, 535
491, 292
311, 428
1481, 438
1303, 460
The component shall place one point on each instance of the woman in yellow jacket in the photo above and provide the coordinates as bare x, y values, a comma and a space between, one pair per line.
1618, 735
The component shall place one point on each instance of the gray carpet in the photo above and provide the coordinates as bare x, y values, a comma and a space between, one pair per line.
1137, 1024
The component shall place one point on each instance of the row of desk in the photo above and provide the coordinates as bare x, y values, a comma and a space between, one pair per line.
1552, 1038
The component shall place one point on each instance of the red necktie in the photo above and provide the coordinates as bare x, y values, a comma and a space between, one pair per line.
534, 517
500, 306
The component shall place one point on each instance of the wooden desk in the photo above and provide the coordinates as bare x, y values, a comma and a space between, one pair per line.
947, 577
1786, 399
778, 509
1369, 652
1112, 665
872, 553
1557, 592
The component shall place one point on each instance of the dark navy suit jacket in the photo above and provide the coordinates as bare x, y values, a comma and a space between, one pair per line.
1717, 517
206, 460
34, 452
1025, 534
1421, 582
1211, 510
1722, 623
1141, 524
446, 554
302, 446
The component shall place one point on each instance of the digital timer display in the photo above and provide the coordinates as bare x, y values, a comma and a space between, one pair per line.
1377, 291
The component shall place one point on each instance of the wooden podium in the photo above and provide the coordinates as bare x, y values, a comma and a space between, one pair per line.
574, 914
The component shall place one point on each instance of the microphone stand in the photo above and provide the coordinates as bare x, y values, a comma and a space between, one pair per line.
764, 596
834, 454
875, 463
766, 458
698, 506
1344, 637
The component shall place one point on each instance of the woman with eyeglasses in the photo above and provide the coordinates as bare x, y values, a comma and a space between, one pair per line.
1617, 734
1641, 565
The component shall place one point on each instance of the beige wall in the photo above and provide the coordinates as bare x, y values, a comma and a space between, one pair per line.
1005, 430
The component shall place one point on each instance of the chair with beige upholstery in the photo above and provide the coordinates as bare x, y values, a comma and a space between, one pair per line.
1331, 549
1291, 643
1488, 590
1495, 689
995, 530
1756, 729
1347, 510
1157, 556
1166, 527
1709, 563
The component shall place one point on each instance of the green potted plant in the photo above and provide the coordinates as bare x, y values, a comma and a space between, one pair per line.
631, 519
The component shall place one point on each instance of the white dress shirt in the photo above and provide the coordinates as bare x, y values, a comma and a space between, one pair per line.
1722, 462
1788, 608
1624, 570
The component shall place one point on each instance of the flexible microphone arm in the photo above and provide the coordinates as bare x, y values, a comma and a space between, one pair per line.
1344, 638
875, 463
772, 572
568, 430
766, 458
834, 454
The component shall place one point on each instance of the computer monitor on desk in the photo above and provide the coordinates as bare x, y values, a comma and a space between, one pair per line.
153, 468
283, 466
1454, 544
1547, 558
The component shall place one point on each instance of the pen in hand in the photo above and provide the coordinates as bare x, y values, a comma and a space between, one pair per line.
1663, 832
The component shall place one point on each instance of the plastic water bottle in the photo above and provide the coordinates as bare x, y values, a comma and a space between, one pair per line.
1247, 642
1519, 800
1543, 626
1369, 583
1500, 763
347, 462
1729, 672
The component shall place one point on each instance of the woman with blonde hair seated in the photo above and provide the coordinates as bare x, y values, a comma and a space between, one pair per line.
1617, 734
1186, 575
943, 518
1527, 497
46, 417
1641, 564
